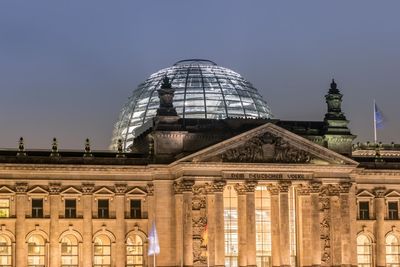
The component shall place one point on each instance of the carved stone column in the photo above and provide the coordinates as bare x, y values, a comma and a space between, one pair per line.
242, 232
210, 204
87, 190
151, 215
315, 188
274, 191
380, 222
219, 223
284, 227
20, 231
120, 229
55, 203
336, 223
187, 222
251, 222
305, 225
346, 224
178, 197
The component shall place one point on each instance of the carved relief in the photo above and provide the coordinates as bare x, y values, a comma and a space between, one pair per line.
199, 222
21, 187
273, 189
266, 148
150, 189
219, 185
284, 186
54, 188
325, 225
120, 188
87, 188
379, 192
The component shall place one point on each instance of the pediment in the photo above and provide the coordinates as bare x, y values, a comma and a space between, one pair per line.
71, 191
268, 143
393, 194
6, 191
365, 194
37, 190
104, 191
136, 192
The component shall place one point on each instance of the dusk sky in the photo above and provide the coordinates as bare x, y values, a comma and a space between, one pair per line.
67, 67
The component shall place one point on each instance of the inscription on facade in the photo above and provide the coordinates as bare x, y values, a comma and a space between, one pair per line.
267, 176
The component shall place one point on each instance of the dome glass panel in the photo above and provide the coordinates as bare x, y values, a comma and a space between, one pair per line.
203, 90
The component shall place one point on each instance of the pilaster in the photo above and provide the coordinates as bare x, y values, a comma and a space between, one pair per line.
250, 187
336, 224
120, 229
242, 220
218, 187
315, 188
210, 204
178, 198
87, 190
20, 231
187, 186
55, 202
346, 223
380, 230
305, 225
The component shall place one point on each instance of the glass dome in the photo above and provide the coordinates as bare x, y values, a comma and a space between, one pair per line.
203, 90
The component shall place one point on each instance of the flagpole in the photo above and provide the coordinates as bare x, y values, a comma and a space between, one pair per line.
375, 137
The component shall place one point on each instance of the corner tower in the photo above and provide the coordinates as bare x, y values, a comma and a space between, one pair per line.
337, 135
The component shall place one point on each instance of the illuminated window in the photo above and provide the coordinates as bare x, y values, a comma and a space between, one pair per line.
70, 208
102, 251
103, 208
231, 227
393, 210
69, 251
364, 251
4, 207
5, 251
392, 251
36, 251
136, 209
292, 227
134, 251
263, 227
363, 210
37, 208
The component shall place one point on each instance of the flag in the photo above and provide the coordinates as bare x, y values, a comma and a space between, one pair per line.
378, 117
205, 236
154, 246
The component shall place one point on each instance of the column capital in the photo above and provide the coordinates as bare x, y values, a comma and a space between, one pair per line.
240, 188
184, 185
315, 187
219, 185
284, 186
21, 187
345, 187
54, 188
330, 190
87, 188
379, 192
273, 189
250, 186
150, 189
304, 190
120, 189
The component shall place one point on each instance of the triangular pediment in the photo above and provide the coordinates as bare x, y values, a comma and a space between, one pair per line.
366, 194
38, 191
6, 191
393, 193
136, 192
104, 191
71, 191
268, 143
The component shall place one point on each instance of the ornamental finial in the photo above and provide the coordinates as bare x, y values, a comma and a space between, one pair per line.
88, 152
120, 150
21, 147
54, 148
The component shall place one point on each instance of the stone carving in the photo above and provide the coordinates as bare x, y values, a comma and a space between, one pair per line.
150, 189
284, 186
199, 222
325, 229
250, 185
315, 187
166, 95
273, 189
379, 192
266, 148
120, 188
199, 197
240, 189
345, 187
330, 190
183, 185
87, 188
54, 188
219, 185
21, 187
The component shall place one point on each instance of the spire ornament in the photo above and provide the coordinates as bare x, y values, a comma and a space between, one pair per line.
21, 148
54, 148
166, 95
120, 153
88, 152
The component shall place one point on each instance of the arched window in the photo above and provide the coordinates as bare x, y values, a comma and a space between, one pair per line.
69, 251
231, 226
134, 251
364, 251
5, 251
36, 251
263, 227
392, 251
102, 251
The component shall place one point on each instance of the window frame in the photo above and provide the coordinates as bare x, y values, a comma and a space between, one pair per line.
103, 216
70, 209
35, 211
389, 217
8, 209
140, 210
359, 201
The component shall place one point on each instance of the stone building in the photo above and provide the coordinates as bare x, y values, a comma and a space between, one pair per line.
197, 152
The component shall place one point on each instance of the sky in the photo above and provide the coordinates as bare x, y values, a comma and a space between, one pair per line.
67, 67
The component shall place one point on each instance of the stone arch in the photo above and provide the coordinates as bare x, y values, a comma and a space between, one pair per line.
72, 232
138, 232
39, 232
103, 231
7, 233
368, 234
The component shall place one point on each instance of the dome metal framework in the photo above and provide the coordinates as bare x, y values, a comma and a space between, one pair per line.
203, 90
